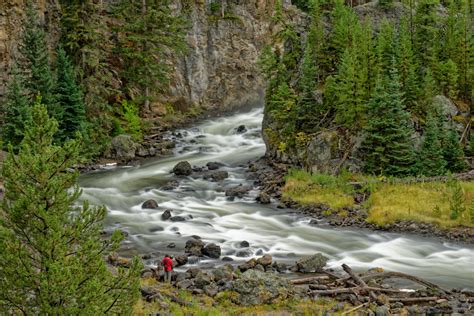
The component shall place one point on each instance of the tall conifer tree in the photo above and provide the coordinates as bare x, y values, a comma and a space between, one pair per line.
69, 98
15, 112
430, 158
52, 260
34, 47
388, 146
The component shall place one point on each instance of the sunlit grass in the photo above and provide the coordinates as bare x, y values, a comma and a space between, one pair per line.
324, 189
389, 202
422, 202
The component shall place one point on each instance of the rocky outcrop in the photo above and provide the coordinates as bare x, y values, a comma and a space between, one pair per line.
220, 68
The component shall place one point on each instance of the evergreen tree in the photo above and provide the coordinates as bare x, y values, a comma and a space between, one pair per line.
148, 31
341, 38
52, 258
426, 32
34, 48
453, 153
15, 113
388, 146
69, 98
429, 91
407, 66
349, 98
385, 48
448, 78
430, 158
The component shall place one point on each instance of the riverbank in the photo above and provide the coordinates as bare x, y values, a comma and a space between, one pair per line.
259, 287
347, 203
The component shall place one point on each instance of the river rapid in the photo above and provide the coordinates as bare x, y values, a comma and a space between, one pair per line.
283, 233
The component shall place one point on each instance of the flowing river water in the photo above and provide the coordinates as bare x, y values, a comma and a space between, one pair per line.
285, 234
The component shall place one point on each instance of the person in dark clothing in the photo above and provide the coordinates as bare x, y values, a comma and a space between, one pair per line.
167, 267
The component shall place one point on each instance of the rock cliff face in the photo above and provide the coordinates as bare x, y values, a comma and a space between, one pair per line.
219, 71
220, 68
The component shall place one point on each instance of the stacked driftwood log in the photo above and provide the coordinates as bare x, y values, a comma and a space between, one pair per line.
371, 287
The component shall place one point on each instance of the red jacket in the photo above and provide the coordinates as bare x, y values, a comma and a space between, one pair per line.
167, 264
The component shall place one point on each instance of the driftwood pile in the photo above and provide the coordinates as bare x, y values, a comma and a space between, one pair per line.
362, 290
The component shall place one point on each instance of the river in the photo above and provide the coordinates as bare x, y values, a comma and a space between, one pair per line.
284, 234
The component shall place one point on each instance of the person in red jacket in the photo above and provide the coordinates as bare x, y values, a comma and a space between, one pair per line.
167, 267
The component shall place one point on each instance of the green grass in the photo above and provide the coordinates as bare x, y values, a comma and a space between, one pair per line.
223, 304
308, 189
430, 202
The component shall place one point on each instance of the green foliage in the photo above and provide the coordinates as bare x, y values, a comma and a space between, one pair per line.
149, 30
34, 48
430, 158
14, 113
452, 151
448, 78
133, 125
52, 252
69, 98
385, 4
388, 147
456, 199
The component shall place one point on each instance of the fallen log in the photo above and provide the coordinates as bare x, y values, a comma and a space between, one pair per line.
358, 280
357, 289
413, 299
309, 279
386, 275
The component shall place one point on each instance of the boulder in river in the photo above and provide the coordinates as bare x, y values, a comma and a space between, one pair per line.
212, 250
238, 191
256, 288
181, 260
194, 247
244, 253
166, 215
151, 204
314, 263
182, 168
177, 219
217, 176
212, 165
266, 260
240, 129
244, 244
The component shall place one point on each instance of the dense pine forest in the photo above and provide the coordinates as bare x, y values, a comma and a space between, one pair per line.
376, 72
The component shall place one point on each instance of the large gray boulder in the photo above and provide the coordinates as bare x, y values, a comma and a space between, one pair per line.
312, 263
237, 191
122, 147
182, 168
194, 247
256, 287
212, 250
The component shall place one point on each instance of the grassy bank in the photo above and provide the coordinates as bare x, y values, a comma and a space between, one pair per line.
446, 204
223, 304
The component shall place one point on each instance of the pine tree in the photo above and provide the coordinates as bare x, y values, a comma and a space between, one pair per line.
407, 66
148, 31
430, 158
452, 152
426, 32
349, 98
52, 258
385, 48
388, 147
69, 98
448, 78
429, 91
34, 48
15, 112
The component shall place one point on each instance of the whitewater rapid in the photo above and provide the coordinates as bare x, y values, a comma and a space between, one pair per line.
283, 233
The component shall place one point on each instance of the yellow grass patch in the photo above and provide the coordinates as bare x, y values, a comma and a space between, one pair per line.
422, 202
